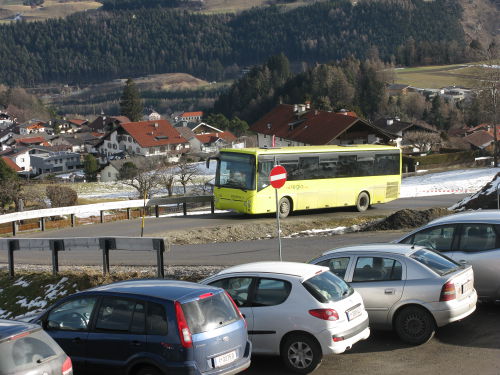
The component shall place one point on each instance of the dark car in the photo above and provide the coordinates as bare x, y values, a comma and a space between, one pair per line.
150, 327
26, 349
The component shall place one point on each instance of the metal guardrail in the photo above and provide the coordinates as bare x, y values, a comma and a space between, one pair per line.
105, 244
73, 211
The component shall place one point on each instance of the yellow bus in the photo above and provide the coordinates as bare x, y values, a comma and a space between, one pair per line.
317, 177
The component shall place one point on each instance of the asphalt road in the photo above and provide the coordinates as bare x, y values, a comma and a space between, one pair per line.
221, 254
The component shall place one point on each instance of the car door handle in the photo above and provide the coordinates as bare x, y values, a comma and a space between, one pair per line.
462, 261
136, 343
390, 291
77, 340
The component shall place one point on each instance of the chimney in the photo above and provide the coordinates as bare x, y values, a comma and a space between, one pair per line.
390, 121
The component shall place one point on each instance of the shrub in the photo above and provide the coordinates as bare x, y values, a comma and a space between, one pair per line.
61, 196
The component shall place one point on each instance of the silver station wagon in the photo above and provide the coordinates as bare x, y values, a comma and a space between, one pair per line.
467, 237
408, 288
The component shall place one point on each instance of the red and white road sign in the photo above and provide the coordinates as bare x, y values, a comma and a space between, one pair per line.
277, 176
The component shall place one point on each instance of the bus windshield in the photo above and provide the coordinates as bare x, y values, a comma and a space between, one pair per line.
236, 171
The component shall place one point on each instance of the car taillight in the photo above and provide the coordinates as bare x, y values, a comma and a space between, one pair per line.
183, 327
447, 292
325, 314
67, 367
236, 307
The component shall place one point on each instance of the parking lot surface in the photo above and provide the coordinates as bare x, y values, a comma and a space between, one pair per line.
470, 346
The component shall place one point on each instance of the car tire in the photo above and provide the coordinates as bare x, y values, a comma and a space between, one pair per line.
415, 325
301, 353
363, 201
148, 370
285, 207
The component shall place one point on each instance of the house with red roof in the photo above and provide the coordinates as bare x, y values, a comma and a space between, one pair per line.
36, 127
299, 125
480, 140
146, 138
190, 116
32, 141
10, 163
212, 142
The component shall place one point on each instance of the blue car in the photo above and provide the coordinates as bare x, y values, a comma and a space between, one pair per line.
150, 327
26, 349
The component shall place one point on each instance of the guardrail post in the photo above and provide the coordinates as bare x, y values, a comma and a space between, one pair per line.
159, 246
128, 213
55, 247
184, 208
212, 205
106, 244
102, 216
73, 220
42, 224
157, 210
14, 228
13, 246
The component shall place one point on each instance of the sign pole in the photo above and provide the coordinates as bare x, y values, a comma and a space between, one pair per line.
278, 220
277, 178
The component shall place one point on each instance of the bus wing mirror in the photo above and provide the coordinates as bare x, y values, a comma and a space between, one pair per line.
211, 158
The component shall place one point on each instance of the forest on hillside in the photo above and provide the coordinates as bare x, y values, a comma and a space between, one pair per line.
104, 45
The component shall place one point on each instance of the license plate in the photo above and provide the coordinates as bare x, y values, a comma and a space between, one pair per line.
466, 287
225, 359
354, 312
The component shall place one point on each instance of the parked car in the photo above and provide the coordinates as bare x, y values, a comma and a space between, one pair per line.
410, 289
467, 237
300, 312
26, 349
151, 327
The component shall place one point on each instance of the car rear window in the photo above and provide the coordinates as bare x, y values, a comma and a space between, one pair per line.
326, 287
18, 355
439, 263
209, 313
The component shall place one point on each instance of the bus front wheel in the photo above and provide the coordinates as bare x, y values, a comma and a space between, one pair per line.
363, 201
285, 207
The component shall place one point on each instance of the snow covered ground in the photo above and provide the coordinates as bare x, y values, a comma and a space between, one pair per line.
463, 181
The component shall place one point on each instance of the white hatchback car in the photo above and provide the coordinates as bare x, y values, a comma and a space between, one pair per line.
298, 311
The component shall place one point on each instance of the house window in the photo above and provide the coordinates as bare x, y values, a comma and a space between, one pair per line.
138, 150
162, 148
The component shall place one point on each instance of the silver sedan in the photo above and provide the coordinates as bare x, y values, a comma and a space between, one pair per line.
471, 237
411, 289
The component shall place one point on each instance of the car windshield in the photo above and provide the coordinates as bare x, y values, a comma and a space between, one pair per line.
26, 352
236, 170
209, 313
326, 287
439, 263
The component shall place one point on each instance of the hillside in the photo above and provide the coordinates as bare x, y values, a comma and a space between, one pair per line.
98, 46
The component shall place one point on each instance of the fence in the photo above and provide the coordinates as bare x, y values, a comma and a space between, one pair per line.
105, 244
40, 215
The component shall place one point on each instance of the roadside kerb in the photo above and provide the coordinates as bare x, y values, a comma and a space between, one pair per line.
105, 244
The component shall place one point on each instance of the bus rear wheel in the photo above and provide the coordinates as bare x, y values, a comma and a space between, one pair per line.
285, 207
363, 201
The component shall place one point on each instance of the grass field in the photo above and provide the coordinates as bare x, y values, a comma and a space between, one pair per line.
439, 76
50, 9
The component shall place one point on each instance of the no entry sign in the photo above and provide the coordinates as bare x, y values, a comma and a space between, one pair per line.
277, 176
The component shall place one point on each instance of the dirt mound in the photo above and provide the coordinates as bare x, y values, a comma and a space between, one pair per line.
483, 199
408, 218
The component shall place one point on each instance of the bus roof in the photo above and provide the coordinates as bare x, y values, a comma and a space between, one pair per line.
313, 149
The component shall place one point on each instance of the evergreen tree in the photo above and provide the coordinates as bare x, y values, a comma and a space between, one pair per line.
90, 167
130, 102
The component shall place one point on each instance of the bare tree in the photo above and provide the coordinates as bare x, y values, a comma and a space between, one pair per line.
488, 88
142, 174
185, 172
166, 177
423, 141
